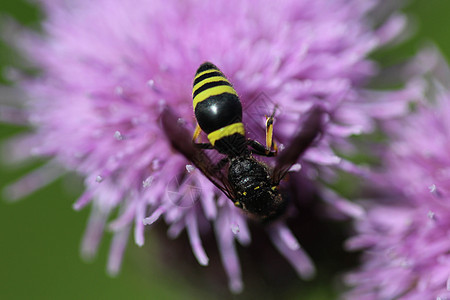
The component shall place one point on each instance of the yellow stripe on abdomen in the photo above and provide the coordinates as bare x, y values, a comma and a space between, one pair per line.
217, 90
206, 72
226, 131
208, 80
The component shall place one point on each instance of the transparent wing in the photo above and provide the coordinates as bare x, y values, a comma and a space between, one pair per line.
181, 140
309, 130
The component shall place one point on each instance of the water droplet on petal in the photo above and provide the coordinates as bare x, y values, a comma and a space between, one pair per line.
147, 182
295, 168
432, 188
190, 168
235, 228
151, 83
118, 136
431, 215
155, 164
99, 178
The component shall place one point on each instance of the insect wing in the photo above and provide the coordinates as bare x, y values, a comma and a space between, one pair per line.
308, 132
180, 139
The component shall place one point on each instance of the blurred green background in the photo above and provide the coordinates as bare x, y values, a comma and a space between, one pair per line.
41, 234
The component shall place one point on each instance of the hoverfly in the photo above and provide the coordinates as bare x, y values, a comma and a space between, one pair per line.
251, 184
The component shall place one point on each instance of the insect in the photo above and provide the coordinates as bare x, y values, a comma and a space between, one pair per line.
251, 184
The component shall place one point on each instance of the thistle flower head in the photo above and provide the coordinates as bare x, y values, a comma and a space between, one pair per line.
108, 66
406, 232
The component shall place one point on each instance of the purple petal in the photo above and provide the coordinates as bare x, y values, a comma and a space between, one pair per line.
139, 224
33, 181
228, 254
154, 216
118, 245
298, 258
93, 234
194, 238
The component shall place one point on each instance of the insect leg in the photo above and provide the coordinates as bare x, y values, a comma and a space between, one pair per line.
259, 149
196, 133
269, 134
200, 145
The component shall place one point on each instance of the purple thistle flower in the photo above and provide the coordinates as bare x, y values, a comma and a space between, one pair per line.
405, 233
108, 66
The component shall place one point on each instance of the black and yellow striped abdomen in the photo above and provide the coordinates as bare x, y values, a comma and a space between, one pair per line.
218, 110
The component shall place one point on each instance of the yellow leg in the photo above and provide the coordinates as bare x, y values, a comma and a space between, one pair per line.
269, 134
196, 133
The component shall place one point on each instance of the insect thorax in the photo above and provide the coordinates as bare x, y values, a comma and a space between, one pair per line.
248, 173
255, 192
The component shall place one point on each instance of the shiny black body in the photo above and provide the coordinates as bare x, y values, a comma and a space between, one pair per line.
249, 180
217, 112
249, 183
